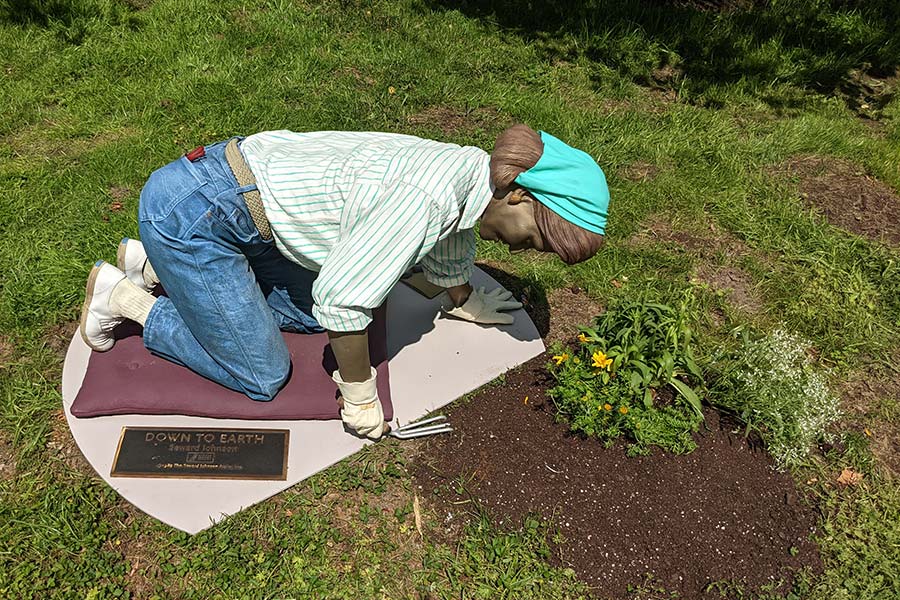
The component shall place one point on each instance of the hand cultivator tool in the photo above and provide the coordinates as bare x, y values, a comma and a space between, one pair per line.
431, 426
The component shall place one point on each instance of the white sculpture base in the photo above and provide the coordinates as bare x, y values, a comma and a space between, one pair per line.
433, 361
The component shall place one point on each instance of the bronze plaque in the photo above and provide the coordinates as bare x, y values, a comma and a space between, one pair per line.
199, 453
418, 282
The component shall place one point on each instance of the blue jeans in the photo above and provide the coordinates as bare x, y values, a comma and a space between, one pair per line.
229, 291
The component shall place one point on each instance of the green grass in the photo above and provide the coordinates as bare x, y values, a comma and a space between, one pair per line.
98, 93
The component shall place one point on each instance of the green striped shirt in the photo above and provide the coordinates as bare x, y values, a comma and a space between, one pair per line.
362, 208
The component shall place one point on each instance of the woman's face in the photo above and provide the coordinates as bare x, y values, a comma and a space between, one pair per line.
509, 218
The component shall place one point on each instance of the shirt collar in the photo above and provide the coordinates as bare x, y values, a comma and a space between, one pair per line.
480, 193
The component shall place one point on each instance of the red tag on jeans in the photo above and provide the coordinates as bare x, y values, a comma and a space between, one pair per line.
196, 154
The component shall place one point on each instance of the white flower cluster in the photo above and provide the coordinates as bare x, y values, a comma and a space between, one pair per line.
788, 395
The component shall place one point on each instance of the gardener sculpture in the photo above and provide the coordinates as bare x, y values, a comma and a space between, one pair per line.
306, 232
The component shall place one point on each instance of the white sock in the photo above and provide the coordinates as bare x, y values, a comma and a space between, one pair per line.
130, 301
150, 278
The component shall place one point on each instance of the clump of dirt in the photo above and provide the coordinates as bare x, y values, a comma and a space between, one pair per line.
7, 351
705, 243
58, 337
847, 197
868, 95
639, 171
662, 83
864, 395
454, 121
666, 74
735, 283
119, 192
719, 513
361, 79
7, 458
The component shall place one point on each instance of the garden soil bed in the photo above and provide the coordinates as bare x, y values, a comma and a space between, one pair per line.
720, 513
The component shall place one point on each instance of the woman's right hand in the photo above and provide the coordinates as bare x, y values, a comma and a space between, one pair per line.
360, 407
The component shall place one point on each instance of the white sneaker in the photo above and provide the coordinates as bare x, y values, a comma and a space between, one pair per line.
97, 318
130, 259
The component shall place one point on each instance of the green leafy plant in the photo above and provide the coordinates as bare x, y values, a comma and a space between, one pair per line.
649, 345
632, 374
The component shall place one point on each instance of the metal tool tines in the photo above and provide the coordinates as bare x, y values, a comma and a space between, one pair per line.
431, 426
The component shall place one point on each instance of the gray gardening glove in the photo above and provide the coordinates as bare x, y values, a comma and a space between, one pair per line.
484, 307
361, 408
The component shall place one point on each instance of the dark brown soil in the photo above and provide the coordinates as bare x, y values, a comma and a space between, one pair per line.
847, 197
719, 513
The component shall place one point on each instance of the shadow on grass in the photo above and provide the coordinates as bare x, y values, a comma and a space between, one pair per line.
695, 46
71, 19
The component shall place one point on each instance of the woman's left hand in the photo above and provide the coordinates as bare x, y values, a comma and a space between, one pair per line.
488, 308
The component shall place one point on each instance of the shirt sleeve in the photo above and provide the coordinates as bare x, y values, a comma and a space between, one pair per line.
370, 256
450, 261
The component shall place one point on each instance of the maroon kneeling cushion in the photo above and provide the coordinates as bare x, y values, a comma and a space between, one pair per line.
130, 380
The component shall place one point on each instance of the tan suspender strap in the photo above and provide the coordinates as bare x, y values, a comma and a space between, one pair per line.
244, 176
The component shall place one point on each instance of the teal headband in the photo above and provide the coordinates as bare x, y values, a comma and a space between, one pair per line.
569, 182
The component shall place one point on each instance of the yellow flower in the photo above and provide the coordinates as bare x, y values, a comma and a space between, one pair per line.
601, 361
576, 360
392, 90
582, 338
561, 358
623, 409
607, 407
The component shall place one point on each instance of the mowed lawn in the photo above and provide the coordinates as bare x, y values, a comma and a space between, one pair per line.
729, 132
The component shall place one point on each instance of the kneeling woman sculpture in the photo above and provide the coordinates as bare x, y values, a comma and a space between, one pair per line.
308, 232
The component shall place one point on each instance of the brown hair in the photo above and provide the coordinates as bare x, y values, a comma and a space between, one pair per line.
516, 150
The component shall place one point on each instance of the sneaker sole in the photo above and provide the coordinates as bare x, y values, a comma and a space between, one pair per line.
88, 297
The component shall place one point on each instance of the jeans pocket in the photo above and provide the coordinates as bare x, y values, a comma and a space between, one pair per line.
230, 213
166, 188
